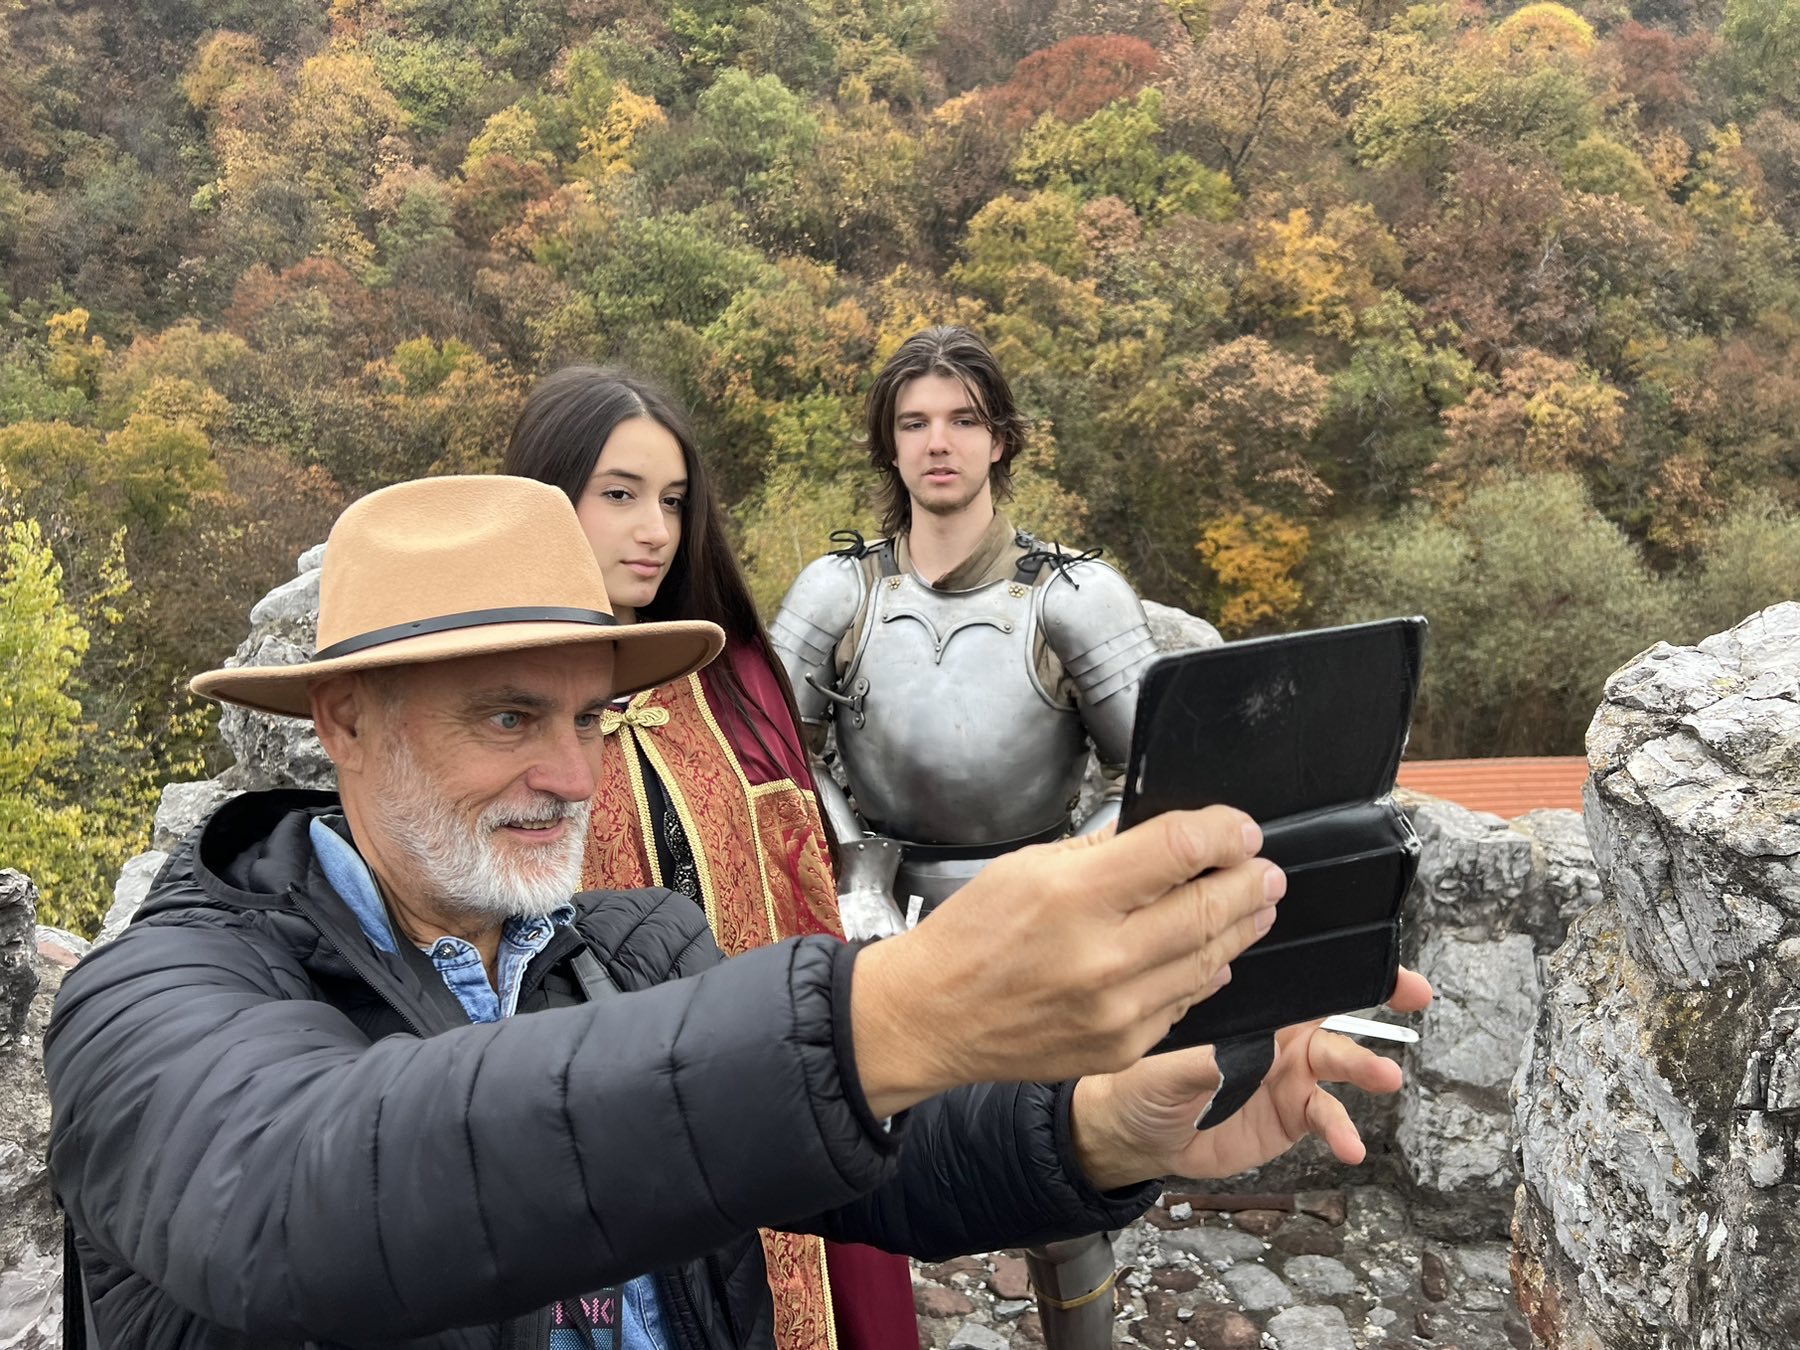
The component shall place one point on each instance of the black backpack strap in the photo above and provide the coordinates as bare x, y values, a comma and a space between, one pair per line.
596, 984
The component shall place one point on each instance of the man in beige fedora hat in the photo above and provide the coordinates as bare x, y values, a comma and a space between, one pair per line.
294, 1104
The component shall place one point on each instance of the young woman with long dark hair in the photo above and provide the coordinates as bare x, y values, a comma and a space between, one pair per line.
706, 787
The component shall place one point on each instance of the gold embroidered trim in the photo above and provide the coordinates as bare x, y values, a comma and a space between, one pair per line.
634, 774
682, 808
830, 1310
762, 863
633, 716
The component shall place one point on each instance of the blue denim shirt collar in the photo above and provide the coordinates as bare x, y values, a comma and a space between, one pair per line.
459, 962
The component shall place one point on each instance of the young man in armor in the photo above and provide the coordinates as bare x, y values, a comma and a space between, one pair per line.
966, 667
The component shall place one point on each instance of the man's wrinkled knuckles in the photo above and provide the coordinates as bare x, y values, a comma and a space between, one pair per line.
1203, 840
1107, 967
1219, 900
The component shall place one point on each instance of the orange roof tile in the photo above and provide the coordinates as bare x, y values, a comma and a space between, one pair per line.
1508, 786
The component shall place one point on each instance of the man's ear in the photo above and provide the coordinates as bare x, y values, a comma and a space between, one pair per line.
342, 709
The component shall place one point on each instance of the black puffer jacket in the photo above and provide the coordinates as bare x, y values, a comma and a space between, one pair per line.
269, 1133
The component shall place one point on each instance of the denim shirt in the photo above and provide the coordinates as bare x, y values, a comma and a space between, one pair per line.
459, 962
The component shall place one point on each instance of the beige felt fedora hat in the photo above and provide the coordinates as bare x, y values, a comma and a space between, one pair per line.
442, 568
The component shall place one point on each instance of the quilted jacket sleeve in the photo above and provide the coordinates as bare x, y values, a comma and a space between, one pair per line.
984, 1168
248, 1151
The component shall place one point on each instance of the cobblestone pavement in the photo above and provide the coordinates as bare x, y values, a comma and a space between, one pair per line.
1317, 1270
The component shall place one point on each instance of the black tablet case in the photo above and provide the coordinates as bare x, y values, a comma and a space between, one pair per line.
1304, 732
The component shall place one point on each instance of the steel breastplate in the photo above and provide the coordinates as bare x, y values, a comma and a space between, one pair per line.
950, 738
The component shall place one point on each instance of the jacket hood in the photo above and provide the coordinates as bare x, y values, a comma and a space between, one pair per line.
246, 855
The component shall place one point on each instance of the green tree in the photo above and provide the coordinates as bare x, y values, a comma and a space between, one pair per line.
43, 832
1383, 425
1763, 39
1533, 597
1118, 152
1751, 561
1010, 233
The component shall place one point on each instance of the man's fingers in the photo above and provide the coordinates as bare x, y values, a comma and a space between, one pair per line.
1136, 867
1182, 1075
1338, 1059
1327, 1118
1196, 930
1412, 992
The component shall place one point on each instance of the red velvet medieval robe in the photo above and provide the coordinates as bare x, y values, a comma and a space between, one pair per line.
751, 819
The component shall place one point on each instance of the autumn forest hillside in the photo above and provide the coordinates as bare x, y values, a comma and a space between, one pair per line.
1321, 312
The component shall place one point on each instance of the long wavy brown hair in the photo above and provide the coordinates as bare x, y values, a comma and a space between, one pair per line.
557, 440
965, 358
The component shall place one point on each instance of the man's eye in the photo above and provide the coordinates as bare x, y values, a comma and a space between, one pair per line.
508, 721
587, 721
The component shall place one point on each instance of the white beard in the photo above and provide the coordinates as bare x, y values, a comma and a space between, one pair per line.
464, 869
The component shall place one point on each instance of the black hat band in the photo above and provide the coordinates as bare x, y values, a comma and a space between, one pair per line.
473, 618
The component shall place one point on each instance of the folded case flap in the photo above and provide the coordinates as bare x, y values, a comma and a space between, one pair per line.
1280, 726
1304, 732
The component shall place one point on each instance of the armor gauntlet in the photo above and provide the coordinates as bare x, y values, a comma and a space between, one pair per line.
1095, 624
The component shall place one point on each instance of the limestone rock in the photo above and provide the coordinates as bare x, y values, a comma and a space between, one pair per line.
1456, 1150
60, 946
1175, 629
1311, 1329
1487, 996
1659, 1106
1319, 1277
275, 751
974, 1336
30, 1229
129, 892
18, 947
183, 806
1256, 1288
279, 751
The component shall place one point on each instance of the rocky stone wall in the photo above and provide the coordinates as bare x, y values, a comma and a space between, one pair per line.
1492, 900
30, 1228
1659, 1109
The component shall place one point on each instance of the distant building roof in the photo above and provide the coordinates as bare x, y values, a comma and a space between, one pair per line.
1507, 787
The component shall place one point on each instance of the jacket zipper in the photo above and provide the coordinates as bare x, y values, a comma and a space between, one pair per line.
531, 1332
368, 977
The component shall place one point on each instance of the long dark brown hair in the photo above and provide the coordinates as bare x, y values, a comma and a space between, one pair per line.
965, 358
558, 438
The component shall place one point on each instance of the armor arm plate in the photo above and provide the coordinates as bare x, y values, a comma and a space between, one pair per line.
815, 614
1095, 624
